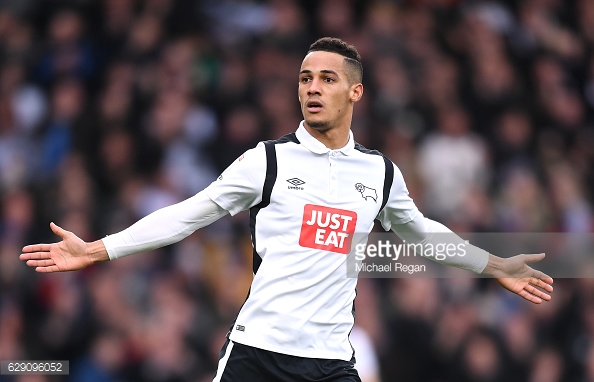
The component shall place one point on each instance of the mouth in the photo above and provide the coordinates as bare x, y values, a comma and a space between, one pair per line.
314, 106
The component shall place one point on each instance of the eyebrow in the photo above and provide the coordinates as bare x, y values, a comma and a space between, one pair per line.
327, 71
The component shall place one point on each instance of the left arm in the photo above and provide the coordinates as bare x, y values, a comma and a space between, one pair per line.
402, 216
512, 273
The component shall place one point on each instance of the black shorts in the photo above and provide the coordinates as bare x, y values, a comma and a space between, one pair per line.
242, 363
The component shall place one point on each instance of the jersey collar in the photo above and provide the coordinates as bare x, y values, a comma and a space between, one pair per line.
317, 147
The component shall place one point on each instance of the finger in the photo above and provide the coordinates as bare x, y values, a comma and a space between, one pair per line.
59, 230
37, 248
530, 297
541, 283
537, 292
544, 277
34, 256
534, 257
41, 263
50, 269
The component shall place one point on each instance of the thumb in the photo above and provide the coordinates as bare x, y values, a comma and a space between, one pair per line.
59, 230
534, 257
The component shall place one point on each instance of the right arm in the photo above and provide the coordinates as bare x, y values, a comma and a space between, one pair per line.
163, 227
237, 189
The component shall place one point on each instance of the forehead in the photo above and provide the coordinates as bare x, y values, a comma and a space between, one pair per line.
319, 60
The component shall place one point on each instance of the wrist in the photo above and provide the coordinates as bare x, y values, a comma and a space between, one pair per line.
97, 252
494, 266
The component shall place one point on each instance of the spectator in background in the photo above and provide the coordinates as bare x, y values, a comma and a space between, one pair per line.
524, 206
63, 127
573, 211
335, 18
22, 107
493, 81
513, 139
391, 83
26, 101
117, 16
289, 29
439, 86
241, 131
184, 131
449, 177
68, 53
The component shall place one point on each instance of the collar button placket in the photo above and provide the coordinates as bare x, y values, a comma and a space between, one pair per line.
332, 178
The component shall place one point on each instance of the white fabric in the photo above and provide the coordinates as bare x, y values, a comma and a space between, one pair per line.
165, 226
426, 231
239, 187
300, 300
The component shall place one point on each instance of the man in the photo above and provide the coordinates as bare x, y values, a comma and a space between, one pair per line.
308, 193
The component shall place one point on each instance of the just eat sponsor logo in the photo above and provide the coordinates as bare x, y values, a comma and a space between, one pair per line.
326, 228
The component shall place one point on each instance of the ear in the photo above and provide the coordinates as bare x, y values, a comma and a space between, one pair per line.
356, 92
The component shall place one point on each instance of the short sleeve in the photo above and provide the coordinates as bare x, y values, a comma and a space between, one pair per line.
400, 208
239, 187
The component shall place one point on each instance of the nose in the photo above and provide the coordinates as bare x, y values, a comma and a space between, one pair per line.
314, 87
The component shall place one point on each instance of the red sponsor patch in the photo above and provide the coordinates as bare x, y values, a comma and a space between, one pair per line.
326, 228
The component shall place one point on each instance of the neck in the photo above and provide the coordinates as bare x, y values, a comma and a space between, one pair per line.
334, 138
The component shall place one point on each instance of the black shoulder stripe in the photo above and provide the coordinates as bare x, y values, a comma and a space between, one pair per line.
271, 166
388, 180
269, 181
271, 171
365, 150
287, 138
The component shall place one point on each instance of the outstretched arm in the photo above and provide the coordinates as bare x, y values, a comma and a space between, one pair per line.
163, 227
514, 273
402, 216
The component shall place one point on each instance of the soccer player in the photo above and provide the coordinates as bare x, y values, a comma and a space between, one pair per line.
308, 193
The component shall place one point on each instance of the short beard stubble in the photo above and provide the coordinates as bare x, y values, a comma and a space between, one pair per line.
319, 125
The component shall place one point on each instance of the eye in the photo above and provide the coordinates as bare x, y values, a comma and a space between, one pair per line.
329, 79
305, 79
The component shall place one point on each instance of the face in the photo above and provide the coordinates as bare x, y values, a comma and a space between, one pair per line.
326, 93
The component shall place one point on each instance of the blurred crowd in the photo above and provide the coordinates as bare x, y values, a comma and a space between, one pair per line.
111, 109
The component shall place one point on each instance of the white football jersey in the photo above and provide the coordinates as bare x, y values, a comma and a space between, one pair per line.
306, 202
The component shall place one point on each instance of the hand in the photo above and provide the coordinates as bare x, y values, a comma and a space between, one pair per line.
70, 254
516, 276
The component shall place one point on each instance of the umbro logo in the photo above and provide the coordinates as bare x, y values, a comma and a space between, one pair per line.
296, 184
295, 181
366, 192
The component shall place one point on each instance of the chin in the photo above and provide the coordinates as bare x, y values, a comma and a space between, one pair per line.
318, 125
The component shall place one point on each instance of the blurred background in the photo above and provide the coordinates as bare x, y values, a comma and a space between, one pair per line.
111, 109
